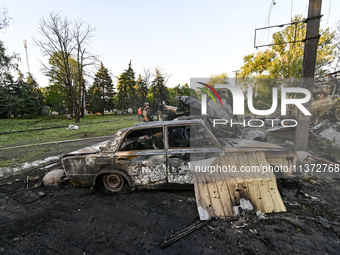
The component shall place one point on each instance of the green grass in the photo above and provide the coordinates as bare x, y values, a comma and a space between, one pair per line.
16, 124
93, 125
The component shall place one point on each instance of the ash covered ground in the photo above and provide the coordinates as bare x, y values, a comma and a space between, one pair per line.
72, 220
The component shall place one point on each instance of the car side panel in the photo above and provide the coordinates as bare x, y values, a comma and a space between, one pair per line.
146, 168
80, 169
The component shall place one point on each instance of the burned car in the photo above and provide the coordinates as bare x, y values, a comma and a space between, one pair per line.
158, 154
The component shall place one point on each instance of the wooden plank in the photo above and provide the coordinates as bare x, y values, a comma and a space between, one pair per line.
213, 197
231, 182
241, 178
275, 194
272, 186
225, 195
202, 191
262, 181
252, 183
203, 208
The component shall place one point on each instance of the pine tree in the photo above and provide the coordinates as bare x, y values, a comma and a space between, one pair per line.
142, 91
36, 91
126, 89
102, 91
8, 95
158, 89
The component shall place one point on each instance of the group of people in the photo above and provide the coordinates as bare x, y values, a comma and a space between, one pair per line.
145, 113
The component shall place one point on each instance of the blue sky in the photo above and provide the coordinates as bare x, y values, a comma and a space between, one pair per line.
186, 39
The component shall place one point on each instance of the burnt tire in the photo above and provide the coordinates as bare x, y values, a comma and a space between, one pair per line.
113, 182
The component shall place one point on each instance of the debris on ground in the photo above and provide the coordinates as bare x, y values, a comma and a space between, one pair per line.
138, 221
72, 127
260, 215
54, 177
184, 232
303, 155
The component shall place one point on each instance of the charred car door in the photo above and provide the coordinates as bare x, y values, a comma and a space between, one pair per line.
187, 143
143, 157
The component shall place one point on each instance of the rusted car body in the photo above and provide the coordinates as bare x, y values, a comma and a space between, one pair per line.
157, 154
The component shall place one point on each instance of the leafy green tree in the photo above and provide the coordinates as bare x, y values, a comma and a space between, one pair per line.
56, 97
284, 60
57, 69
337, 43
102, 91
255, 67
126, 88
256, 64
180, 90
289, 57
221, 78
172, 92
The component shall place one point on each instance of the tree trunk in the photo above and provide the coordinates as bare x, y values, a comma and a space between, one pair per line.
71, 109
77, 119
82, 108
75, 106
83, 103
82, 113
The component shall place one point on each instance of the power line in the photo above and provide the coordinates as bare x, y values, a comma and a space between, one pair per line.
329, 9
267, 22
291, 11
282, 25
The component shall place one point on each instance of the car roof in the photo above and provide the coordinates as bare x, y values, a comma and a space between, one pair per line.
168, 123
154, 124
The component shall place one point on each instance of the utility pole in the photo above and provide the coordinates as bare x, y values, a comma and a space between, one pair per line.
236, 75
308, 68
25, 45
176, 95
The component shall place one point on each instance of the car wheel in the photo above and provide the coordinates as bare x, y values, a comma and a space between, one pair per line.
113, 182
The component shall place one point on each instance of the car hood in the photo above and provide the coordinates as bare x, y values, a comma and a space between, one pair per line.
88, 150
240, 144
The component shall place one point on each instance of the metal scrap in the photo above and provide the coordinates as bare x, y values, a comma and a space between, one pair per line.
184, 232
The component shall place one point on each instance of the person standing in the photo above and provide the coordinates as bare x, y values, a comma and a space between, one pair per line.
147, 115
139, 113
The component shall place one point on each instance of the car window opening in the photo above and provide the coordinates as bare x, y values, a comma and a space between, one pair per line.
189, 136
144, 139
